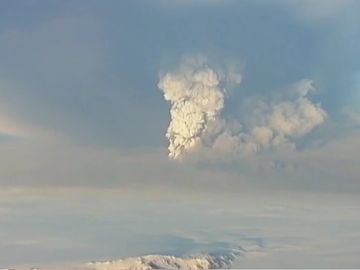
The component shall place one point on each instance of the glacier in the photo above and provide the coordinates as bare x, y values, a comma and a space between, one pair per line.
214, 260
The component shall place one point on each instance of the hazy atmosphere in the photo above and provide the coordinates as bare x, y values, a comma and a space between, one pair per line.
207, 133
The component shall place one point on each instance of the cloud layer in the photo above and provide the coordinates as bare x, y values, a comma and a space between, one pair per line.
197, 95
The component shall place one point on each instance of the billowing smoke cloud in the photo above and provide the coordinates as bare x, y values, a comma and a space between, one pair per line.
197, 96
273, 126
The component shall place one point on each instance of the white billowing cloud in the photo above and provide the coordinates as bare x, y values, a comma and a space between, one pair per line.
197, 96
273, 126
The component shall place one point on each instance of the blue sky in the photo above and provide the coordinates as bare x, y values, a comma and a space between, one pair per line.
81, 113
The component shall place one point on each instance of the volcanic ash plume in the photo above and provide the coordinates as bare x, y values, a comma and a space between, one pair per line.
196, 95
196, 98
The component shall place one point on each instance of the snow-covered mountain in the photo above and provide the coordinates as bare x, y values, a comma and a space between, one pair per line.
216, 260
